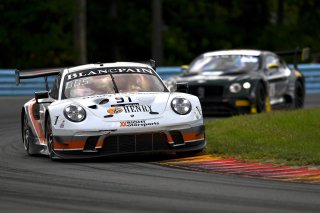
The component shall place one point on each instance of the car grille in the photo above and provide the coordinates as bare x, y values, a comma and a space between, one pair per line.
206, 91
135, 143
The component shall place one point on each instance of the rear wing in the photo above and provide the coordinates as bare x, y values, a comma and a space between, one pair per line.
305, 54
25, 74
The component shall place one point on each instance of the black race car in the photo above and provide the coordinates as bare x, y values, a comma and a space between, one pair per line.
242, 81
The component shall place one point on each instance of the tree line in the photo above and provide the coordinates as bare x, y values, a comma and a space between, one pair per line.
47, 33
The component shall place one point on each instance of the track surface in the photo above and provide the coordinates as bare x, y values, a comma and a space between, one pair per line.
35, 184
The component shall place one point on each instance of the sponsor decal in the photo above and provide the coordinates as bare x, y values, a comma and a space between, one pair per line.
62, 124
56, 121
114, 110
112, 70
139, 123
137, 108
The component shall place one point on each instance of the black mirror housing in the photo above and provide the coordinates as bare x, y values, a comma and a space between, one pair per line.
41, 95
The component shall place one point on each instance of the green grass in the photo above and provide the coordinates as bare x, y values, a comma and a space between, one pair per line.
289, 137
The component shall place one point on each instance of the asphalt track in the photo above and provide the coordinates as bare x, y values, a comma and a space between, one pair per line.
132, 184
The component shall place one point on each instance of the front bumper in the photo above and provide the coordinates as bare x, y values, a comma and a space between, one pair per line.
227, 106
91, 144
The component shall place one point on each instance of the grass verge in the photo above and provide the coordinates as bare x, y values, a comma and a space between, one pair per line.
286, 137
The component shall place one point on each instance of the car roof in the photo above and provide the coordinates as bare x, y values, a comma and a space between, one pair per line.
107, 65
234, 52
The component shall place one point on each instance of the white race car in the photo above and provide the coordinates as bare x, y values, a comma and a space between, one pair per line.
106, 109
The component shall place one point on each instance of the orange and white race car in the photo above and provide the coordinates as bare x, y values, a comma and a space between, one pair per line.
105, 109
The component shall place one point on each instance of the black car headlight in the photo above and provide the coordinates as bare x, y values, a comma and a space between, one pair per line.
181, 106
74, 113
235, 88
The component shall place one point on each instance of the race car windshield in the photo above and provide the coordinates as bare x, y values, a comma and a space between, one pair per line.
103, 84
224, 63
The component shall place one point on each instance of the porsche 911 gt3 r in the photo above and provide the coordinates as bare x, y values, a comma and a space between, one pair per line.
107, 109
243, 81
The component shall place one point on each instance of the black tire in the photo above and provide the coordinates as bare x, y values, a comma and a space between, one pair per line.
298, 95
49, 138
261, 96
27, 135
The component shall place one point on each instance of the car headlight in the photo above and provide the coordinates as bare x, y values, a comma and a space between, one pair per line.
74, 113
246, 85
181, 106
235, 87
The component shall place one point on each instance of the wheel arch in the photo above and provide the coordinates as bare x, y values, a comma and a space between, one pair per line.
302, 81
261, 82
22, 114
264, 84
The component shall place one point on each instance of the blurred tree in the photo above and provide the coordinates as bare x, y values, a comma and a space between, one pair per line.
36, 33
80, 30
157, 28
119, 30
40, 33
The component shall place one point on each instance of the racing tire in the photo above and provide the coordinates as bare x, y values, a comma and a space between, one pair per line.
27, 135
261, 96
299, 95
49, 139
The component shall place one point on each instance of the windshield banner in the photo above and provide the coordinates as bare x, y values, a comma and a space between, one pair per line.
112, 70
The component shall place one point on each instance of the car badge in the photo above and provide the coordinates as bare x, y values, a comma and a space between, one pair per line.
114, 110
62, 124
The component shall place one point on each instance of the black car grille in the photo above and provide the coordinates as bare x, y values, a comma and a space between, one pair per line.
135, 143
206, 91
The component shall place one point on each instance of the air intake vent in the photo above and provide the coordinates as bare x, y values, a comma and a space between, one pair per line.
104, 101
91, 144
177, 137
135, 143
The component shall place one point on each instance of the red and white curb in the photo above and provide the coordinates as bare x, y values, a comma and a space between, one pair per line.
214, 164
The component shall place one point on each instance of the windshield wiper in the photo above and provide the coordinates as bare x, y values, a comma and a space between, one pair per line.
114, 83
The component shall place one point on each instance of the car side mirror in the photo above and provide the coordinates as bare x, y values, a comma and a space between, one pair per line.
182, 87
273, 66
42, 97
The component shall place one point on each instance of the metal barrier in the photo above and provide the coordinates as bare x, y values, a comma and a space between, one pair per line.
29, 86
311, 73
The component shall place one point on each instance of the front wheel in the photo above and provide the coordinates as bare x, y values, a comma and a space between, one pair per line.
299, 95
27, 135
260, 98
49, 139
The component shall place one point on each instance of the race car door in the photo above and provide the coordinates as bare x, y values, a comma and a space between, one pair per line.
277, 77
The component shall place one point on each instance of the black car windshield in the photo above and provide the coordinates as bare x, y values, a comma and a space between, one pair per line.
224, 63
80, 85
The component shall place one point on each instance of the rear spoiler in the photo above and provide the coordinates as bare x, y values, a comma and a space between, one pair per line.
305, 54
25, 74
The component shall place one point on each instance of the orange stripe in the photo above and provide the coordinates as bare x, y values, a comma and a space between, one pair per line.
169, 139
69, 145
188, 137
36, 124
192, 136
99, 144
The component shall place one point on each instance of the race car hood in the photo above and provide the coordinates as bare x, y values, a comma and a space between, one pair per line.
215, 76
128, 106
